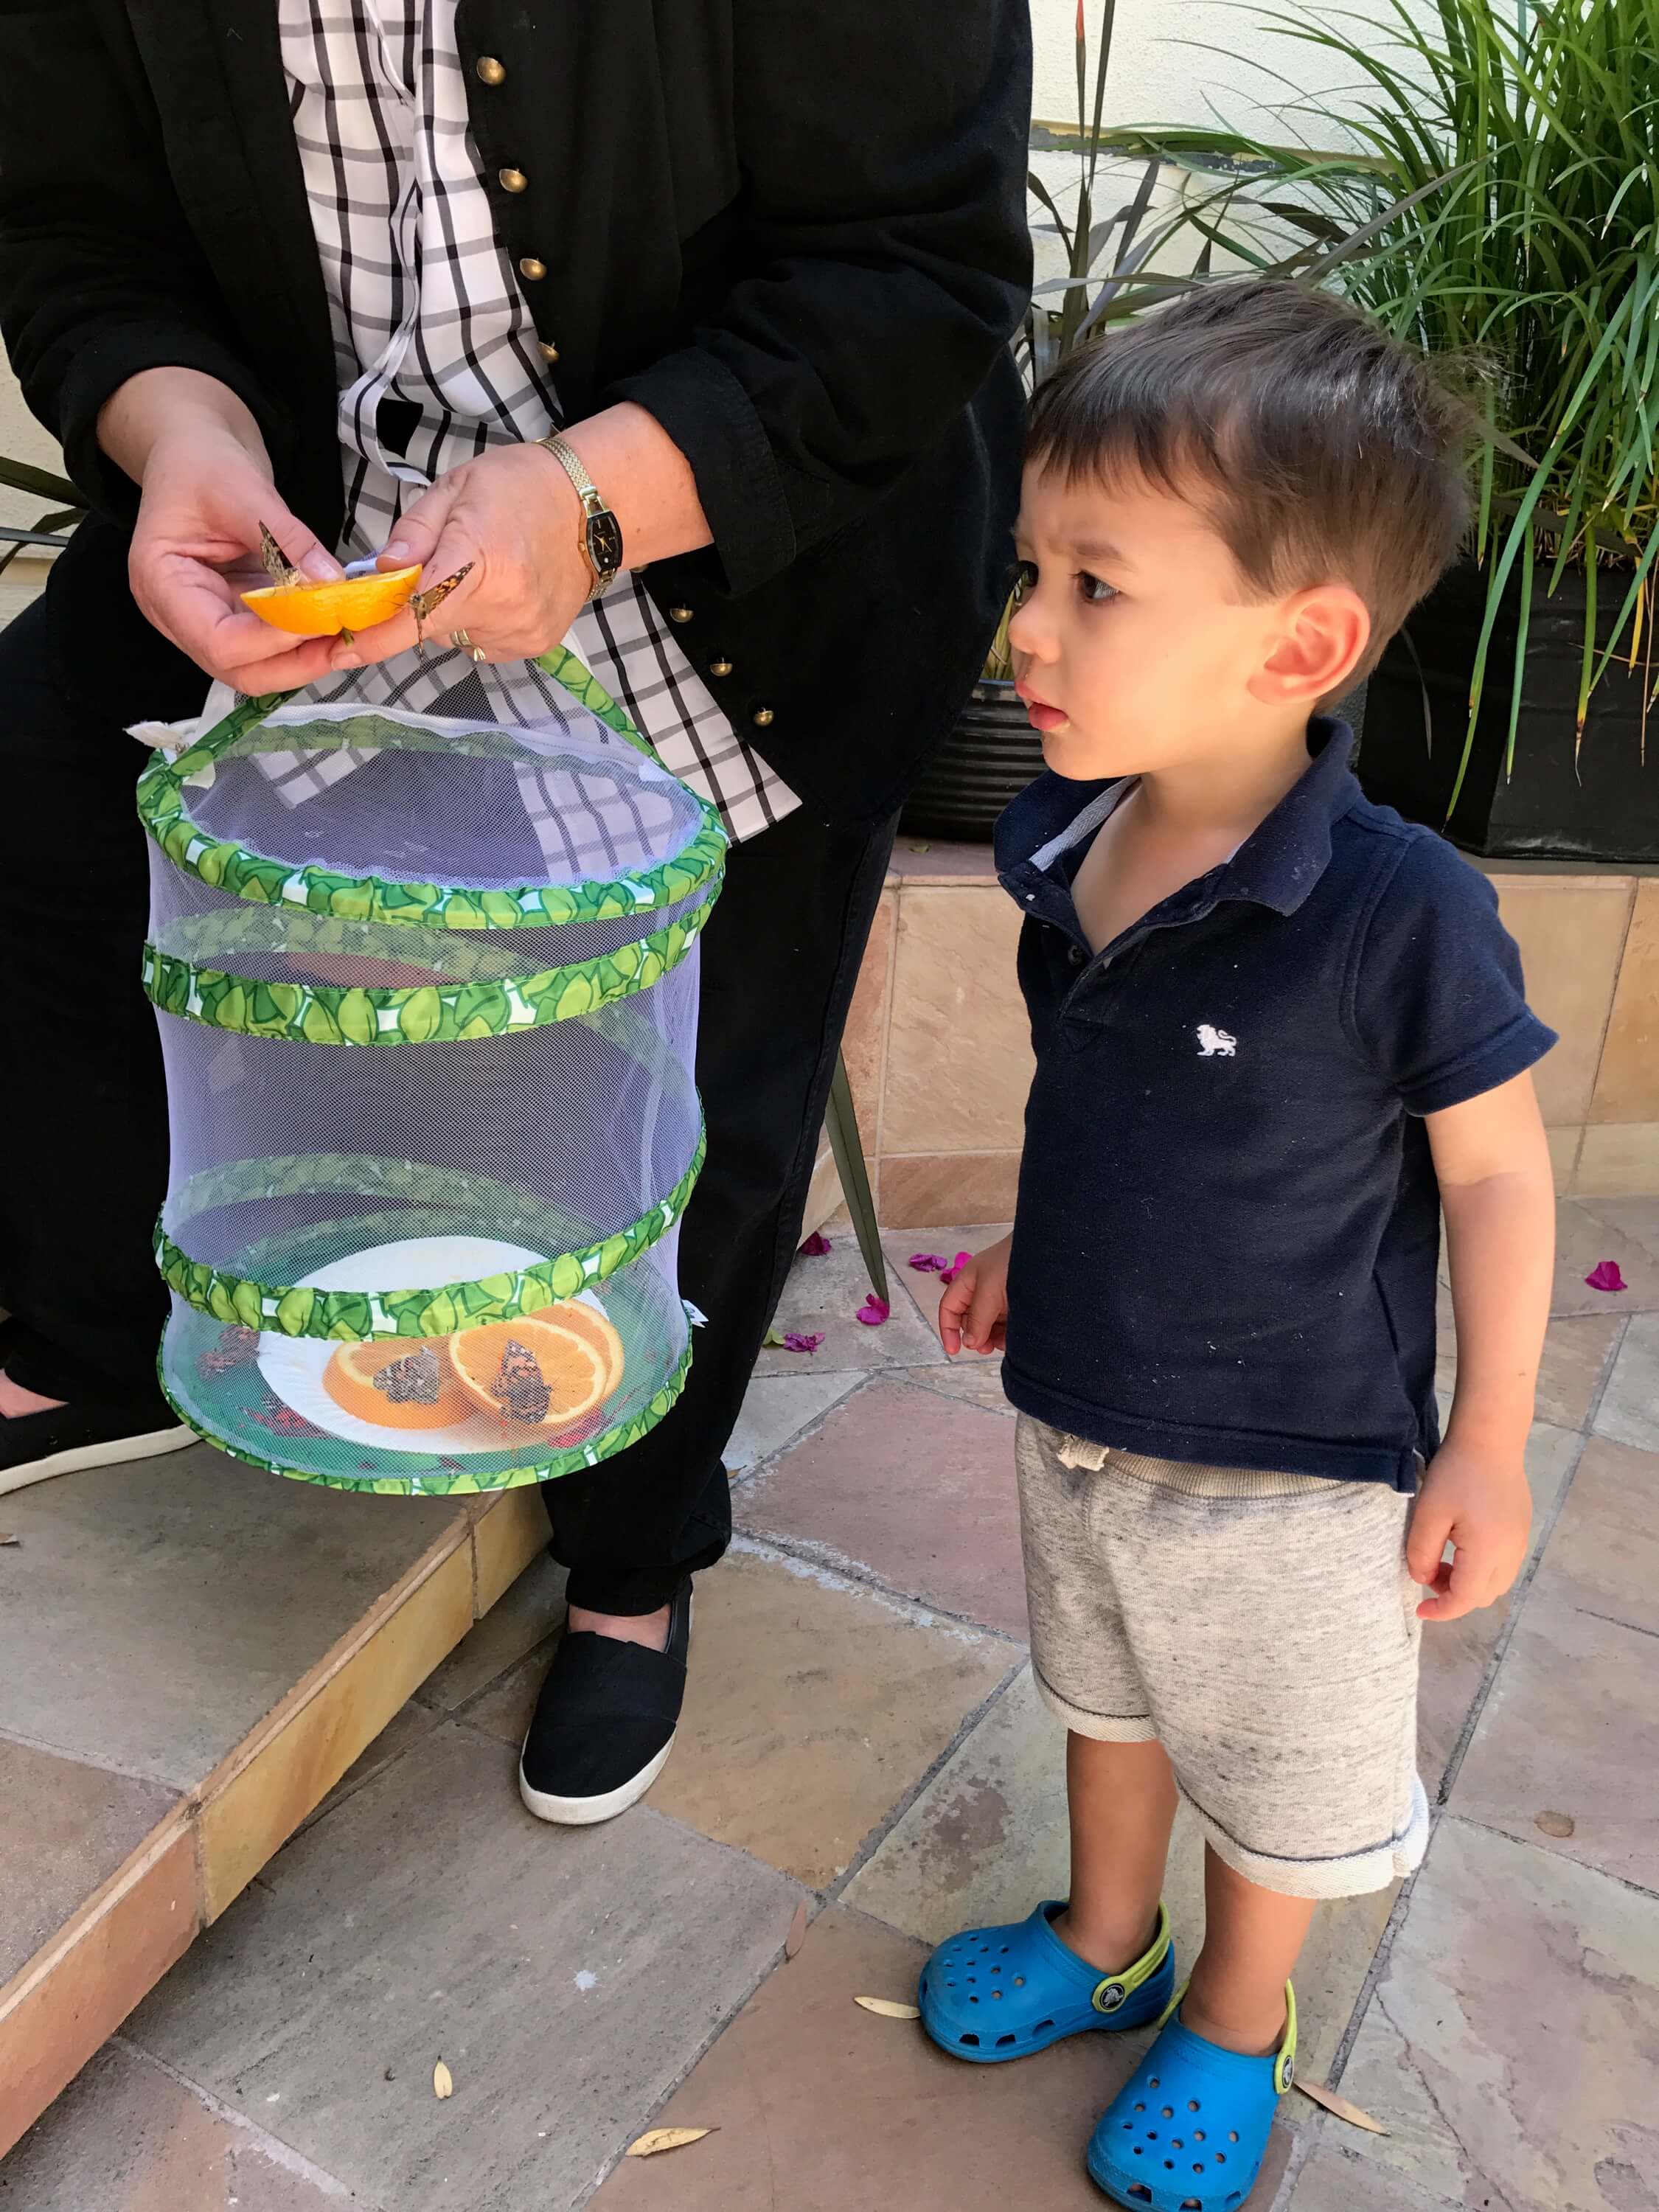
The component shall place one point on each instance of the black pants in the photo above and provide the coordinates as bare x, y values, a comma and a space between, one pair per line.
82, 1111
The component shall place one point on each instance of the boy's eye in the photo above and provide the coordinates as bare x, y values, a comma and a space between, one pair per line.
1025, 582
1095, 589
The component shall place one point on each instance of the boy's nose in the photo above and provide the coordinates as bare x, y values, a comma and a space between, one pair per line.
1029, 634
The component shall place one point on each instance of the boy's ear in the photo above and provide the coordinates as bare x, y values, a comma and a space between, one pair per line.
1322, 637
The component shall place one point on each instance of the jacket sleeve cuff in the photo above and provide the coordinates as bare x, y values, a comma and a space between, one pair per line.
97, 368
712, 419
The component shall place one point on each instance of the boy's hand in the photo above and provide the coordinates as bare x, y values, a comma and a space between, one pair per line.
973, 1309
1479, 1501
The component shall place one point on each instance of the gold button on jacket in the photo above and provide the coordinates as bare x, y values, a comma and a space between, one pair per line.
490, 71
512, 180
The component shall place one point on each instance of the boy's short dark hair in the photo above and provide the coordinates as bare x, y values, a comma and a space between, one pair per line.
1321, 448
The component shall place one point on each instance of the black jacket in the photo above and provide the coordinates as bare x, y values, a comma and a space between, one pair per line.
793, 230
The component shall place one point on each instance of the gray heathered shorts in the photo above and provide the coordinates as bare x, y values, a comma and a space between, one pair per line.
1261, 1627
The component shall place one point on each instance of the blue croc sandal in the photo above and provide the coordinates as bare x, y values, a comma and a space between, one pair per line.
996, 1993
1188, 2131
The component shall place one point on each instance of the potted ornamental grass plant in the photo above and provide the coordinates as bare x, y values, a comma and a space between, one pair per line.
1489, 190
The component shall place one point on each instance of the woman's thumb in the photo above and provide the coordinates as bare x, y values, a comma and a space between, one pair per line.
299, 546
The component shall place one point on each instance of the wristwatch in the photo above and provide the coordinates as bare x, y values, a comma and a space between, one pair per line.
601, 538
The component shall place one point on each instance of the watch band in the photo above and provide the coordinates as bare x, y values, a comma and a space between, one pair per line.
601, 538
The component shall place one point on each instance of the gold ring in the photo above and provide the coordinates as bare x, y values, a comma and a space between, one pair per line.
460, 639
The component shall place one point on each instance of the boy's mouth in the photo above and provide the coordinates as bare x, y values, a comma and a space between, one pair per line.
1040, 713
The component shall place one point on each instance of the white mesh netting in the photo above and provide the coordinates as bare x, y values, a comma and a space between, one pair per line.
429, 1148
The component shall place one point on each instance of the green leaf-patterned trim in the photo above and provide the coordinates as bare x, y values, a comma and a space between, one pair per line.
438, 1483
355, 1317
425, 1013
228, 866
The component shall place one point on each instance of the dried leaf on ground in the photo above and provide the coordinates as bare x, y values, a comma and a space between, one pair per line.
797, 1935
888, 2009
1317, 2094
11, 1539
1554, 1824
443, 2081
661, 2139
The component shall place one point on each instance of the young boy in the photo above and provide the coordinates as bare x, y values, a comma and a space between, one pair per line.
1276, 1030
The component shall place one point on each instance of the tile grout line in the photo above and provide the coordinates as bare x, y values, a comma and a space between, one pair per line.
825, 1560
822, 1899
877, 1836
858, 1378
93, 1760
1585, 1866
282, 2152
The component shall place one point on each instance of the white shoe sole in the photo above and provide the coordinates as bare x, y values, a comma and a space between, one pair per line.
113, 1454
586, 1812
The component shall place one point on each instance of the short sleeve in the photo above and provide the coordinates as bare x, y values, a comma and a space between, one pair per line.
1438, 1002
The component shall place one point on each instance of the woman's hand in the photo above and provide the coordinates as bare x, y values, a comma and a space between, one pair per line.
205, 486
515, 515
512, 518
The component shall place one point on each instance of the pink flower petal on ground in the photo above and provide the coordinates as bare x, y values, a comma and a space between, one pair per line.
929, 1263
956, 1268
794, 1341
816, 1246
873, 1311
1604, 1276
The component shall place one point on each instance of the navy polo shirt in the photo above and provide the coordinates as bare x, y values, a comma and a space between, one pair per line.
1227, 1237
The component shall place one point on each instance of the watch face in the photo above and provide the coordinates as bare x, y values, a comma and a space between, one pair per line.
604, 543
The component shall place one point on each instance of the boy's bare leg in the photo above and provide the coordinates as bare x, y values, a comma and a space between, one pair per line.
1122, 1802
1251, 1939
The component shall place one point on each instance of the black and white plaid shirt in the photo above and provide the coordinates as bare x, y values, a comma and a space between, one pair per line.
427, 310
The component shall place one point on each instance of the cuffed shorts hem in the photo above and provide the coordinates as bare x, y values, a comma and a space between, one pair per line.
1355, 1874
1104, 1727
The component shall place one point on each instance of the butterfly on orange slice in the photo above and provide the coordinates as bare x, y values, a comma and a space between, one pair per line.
535, 1372
397, 1382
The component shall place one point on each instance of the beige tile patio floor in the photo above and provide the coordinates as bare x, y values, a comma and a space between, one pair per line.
861, 1737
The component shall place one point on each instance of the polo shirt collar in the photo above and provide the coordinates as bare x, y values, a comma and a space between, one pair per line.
1277, 866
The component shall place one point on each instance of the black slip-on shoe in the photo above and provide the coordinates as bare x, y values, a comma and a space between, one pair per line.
605, 1722
36, 1446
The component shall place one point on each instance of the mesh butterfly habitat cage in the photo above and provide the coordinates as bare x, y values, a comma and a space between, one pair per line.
428, 998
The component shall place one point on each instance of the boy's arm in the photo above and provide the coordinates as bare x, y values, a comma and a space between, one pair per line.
1498, 1192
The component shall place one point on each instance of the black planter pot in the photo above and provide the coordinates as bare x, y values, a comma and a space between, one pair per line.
1605, 808
992, 753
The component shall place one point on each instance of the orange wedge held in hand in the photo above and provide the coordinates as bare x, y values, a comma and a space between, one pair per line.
350, 602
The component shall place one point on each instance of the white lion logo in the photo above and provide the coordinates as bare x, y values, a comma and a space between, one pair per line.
1214, 1043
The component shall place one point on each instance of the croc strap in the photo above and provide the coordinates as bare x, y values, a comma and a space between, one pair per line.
1115, 1990
1284, 2062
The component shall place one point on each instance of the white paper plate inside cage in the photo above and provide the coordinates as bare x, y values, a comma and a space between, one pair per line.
294, 1365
